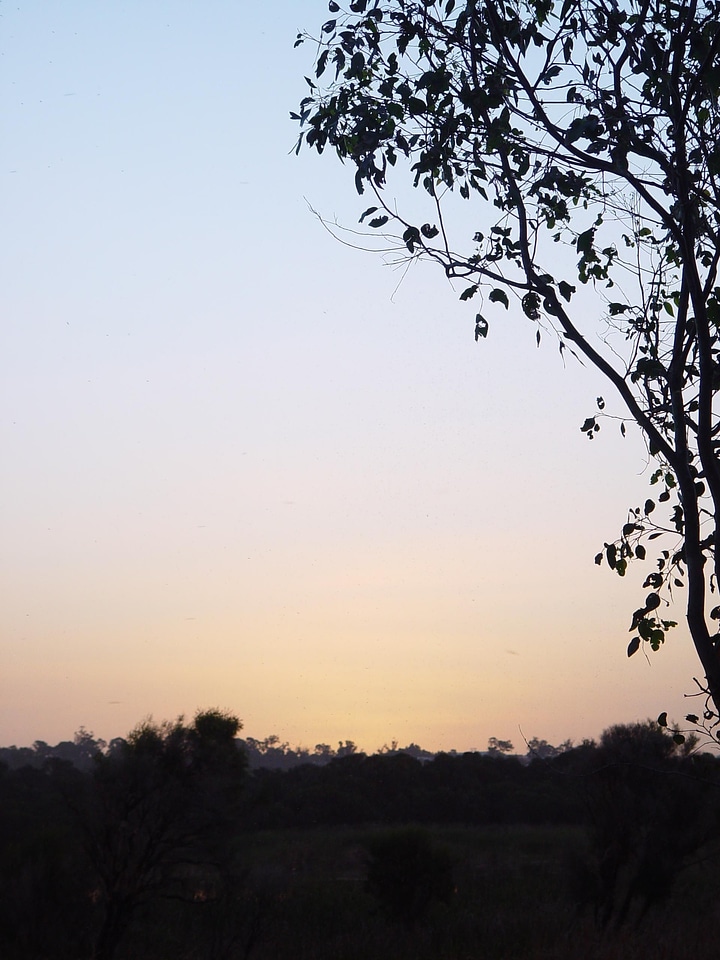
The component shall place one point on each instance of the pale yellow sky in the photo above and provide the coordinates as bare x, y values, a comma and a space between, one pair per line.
249, 467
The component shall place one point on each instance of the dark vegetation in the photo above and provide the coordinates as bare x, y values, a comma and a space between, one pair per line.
170, 844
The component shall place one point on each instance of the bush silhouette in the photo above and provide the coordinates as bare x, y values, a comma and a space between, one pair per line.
407, 874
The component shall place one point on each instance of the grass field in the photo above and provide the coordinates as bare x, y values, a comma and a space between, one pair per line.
517, 895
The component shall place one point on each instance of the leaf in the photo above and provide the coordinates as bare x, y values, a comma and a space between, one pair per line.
678, 738
531, 306
692, 718
469, 292
585, 241
633, 646
322, 61
640, 552
662, 719
652, 602
566, 290
583, 128
622, 429
551, 73
481, 327
638, 618
600, 403
378, 222
411, 238
499, 296
588, 425
649, 507
367, 213
357, 64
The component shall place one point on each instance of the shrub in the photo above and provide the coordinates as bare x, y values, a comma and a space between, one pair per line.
407, 874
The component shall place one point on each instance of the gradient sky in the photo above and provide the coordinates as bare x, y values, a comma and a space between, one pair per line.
247, 466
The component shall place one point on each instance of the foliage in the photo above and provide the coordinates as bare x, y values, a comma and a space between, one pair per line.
157, 808
651, 807
407, 874
496, 747
586, 134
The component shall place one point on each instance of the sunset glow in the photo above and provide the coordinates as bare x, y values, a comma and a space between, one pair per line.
248, 466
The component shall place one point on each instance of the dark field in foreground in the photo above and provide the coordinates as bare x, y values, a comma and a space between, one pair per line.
164, 847
517, 894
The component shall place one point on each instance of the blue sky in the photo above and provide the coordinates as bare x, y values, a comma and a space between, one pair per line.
248, 466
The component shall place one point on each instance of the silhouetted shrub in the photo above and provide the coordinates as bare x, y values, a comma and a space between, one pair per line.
407, 874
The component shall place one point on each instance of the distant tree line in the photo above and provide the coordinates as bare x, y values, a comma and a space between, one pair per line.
269, 753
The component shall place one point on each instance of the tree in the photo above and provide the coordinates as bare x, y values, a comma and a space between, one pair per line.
542, 750
158, 808
639, 784
586, 133
497, 747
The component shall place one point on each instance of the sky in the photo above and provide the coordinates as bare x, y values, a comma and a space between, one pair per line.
246, 465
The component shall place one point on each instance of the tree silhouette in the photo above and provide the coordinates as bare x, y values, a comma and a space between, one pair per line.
650, 808
586, 134
155, 808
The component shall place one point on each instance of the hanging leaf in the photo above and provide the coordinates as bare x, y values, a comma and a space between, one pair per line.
499, 296
411, 238
481, 327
